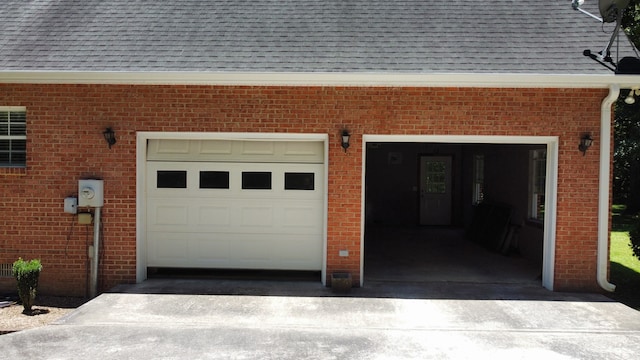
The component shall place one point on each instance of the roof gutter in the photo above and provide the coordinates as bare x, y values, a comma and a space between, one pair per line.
501, 80
604, 189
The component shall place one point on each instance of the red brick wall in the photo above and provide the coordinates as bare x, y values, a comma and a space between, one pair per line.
64, 124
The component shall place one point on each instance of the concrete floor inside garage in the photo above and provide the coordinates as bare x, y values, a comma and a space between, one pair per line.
440, 254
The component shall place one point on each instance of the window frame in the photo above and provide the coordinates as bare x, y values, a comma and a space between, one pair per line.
248, 180
11, 137
208, 181
172, 179
537, 184
478, 179
292, 181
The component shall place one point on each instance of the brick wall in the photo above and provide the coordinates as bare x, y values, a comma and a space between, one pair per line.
64, 125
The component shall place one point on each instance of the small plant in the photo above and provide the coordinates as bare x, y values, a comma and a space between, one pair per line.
27, 274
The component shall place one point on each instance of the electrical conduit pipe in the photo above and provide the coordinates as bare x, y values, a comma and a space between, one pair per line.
604, 189
95, 259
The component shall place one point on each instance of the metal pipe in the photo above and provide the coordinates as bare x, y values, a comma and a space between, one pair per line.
95, 259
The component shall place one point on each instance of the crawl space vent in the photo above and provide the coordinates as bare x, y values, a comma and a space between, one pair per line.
6, 270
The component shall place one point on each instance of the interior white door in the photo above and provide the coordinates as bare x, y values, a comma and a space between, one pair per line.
435, 190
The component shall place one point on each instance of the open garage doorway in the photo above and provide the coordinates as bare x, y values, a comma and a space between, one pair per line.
459, 209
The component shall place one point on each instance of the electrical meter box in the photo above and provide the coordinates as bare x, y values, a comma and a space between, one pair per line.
90, 193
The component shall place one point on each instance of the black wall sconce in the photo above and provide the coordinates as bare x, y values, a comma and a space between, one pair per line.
109, 136
585, 143
345, 136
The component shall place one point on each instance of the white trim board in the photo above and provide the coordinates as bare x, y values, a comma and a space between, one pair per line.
552, 143
141, 163
488, 80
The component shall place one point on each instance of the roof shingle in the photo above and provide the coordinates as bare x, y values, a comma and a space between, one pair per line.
405, 36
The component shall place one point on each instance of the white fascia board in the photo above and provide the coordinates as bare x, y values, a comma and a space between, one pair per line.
322, 79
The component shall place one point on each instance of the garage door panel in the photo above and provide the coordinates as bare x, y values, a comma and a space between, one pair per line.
214, 216
235, 151
239, 251
299, 250
256, 216
301, 217
213, 222
210, 249
166, 249
251, 250
220, 147
182, 215
257, 148
235, 171
171, 215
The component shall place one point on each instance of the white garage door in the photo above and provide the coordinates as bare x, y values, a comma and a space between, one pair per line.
235, 204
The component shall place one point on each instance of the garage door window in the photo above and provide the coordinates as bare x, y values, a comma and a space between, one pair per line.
299, 181
214, 179
256, 180
169, 179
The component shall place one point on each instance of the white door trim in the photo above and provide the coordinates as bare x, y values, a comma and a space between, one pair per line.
552, 143
141, 163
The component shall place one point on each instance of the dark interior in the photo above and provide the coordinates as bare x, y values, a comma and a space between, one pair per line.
491, 241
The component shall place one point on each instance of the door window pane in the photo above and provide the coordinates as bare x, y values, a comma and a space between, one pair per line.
299, 181
170, 179
436, 174
256, 180
214, 179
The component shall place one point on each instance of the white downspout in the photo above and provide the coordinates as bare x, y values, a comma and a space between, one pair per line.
604, 186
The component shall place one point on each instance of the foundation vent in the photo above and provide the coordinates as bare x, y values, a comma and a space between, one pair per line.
6, 270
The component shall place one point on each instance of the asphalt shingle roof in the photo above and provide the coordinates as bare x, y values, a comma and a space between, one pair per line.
405, 36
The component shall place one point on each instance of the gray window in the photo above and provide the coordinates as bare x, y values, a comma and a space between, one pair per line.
256, 180
171, 179
299, 181
214, 179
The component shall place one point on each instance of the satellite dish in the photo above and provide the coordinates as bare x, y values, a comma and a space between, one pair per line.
609, 9
628, 65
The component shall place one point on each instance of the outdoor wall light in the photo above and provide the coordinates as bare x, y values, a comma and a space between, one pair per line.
585, 143
631, 97
345, 139
109, 136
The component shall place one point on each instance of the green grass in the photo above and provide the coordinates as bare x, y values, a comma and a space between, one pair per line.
625, 267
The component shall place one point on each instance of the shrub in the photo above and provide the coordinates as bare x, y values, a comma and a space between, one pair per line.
27, 274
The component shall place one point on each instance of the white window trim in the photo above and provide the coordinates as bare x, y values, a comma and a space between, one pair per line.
551, 186
13, 137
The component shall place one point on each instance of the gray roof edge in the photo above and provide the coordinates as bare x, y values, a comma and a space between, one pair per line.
356, 79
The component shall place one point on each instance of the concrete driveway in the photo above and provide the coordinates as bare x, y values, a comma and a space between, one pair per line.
219, 319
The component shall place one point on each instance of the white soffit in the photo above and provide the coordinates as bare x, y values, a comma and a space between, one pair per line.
322, 79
